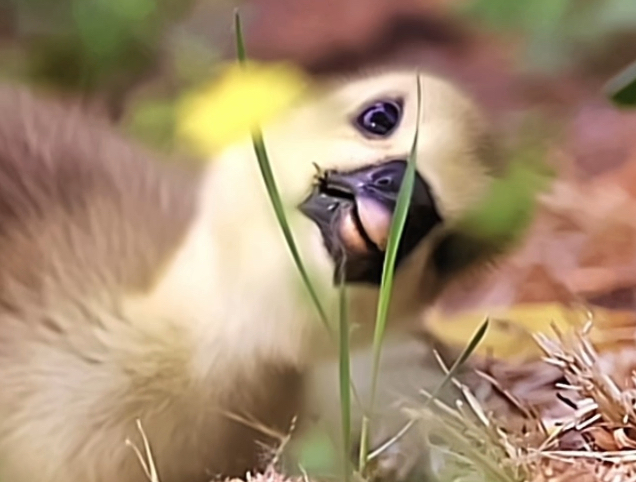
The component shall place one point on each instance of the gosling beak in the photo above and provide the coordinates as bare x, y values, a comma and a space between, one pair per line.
353, 211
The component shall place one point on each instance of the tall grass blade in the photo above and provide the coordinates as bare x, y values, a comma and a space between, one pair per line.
345, 380
240, 40
272, 189
347, 388
388, 269
452, 372
461, 359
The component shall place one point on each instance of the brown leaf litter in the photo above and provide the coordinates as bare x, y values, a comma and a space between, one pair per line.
580, 252
569, 416
553, 397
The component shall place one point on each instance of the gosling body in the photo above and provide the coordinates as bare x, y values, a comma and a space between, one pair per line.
136, 291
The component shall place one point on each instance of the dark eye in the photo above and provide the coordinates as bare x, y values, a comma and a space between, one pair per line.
380, 118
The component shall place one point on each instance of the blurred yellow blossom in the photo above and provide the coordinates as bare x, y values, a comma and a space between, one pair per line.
511, 332
244, 97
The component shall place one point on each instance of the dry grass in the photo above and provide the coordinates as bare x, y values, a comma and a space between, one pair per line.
568, 417
147, 462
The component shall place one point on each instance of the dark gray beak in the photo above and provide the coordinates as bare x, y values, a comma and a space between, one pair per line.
353, 211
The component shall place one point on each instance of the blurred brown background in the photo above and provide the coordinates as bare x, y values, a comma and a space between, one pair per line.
130, 58
538, 67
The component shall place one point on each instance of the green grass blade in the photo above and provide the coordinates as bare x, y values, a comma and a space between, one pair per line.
345, 380
270, 182
452, 372
272, 189
388, 269
395, 235
240, 40
461, 359
346, 384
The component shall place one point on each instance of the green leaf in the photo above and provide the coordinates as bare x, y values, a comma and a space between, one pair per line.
621, 89
508, 207
317, 454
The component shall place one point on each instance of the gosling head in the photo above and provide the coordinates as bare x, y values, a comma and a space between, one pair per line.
352, 145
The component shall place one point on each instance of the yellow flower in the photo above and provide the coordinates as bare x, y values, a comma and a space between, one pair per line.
245, 96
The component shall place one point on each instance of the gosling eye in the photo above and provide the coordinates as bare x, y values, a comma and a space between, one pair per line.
380, 119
